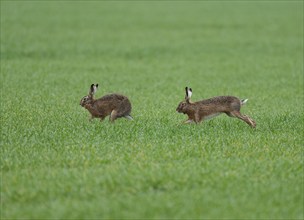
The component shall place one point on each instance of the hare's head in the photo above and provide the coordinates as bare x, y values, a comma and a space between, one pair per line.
185, 105
88, 99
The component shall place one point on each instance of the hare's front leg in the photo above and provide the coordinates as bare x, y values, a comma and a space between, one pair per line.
102, 118
197, 117
189, 121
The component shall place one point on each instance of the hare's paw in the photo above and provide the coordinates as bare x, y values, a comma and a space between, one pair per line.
189, 121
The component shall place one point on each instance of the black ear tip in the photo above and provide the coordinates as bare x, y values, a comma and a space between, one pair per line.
97, 85
190, 89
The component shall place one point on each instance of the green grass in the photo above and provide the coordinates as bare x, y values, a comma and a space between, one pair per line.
56, 164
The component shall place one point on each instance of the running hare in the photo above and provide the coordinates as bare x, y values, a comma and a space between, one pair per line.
208, 108
115, 105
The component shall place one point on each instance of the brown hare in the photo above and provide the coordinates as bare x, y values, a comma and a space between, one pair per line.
115, 105
208, 108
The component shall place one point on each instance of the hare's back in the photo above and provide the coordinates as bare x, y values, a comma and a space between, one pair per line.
113, 98
220, 100
221, 103
114, 101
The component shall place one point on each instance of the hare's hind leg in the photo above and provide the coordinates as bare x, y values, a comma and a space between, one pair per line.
113, 115
245, 118
253, 123
124, 111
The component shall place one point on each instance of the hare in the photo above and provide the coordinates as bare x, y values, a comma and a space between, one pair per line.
209, 108
115, 105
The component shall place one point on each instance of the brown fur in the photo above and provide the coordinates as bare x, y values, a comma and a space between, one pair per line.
208, 108
115, 105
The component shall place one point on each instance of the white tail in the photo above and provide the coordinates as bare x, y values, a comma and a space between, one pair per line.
243, 102
129, 117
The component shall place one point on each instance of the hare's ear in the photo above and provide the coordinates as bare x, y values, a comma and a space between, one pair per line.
188, 94
186, 90
93, 89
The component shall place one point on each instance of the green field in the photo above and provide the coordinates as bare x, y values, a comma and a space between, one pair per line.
56, 164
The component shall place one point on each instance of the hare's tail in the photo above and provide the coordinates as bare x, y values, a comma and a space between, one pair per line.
129, 117
243, 101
